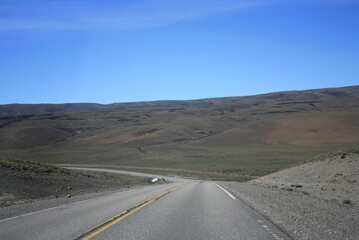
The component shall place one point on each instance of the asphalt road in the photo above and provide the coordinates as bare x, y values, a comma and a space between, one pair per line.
181, 210
137, 174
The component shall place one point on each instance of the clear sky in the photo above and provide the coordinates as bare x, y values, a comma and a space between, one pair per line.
138, 50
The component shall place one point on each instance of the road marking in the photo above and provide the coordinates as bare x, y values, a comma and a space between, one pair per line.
27, 214
266, 227
112, 221
225, 191
43, 210
7, 219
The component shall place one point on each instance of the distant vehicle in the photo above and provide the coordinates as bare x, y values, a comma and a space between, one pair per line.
156, 179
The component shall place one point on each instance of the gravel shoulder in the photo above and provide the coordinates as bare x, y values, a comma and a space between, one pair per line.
302, 202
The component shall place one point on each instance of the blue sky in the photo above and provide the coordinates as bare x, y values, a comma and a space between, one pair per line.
140, 50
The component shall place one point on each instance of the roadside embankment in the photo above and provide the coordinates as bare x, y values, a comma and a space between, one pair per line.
316, 200
26, 181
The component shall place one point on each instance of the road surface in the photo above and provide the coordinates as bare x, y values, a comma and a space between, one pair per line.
181, 210
136, 174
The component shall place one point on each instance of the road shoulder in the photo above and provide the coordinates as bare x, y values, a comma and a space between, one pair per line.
41, 205
300, 215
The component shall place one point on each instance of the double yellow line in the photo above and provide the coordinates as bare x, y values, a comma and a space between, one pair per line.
112, 221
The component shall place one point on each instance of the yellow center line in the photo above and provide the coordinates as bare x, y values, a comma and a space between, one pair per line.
119, 217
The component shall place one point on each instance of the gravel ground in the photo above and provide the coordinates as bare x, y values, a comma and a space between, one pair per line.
300, 215
334, 178
26, 182
302, 202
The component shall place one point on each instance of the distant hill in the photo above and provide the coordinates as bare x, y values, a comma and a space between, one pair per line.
234, 137
308, 95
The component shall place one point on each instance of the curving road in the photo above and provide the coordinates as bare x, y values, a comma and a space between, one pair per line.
181, 210
136, 174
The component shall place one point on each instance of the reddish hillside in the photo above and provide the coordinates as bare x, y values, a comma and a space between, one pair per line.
245, 135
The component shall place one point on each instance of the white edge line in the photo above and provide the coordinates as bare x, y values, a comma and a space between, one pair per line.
31, 213
52, 208
43, 210
225, 191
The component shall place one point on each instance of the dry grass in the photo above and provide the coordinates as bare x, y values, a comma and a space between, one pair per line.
249, 136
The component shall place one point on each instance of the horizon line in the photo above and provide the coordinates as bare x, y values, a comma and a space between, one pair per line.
180, 100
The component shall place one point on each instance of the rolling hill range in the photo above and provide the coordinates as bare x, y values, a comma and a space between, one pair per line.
236, 102
232, 137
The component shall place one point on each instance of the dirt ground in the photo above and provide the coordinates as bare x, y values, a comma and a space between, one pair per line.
316, 200
25, 181
334, 178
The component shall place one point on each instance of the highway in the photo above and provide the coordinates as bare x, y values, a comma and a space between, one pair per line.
184, 209
136, 174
